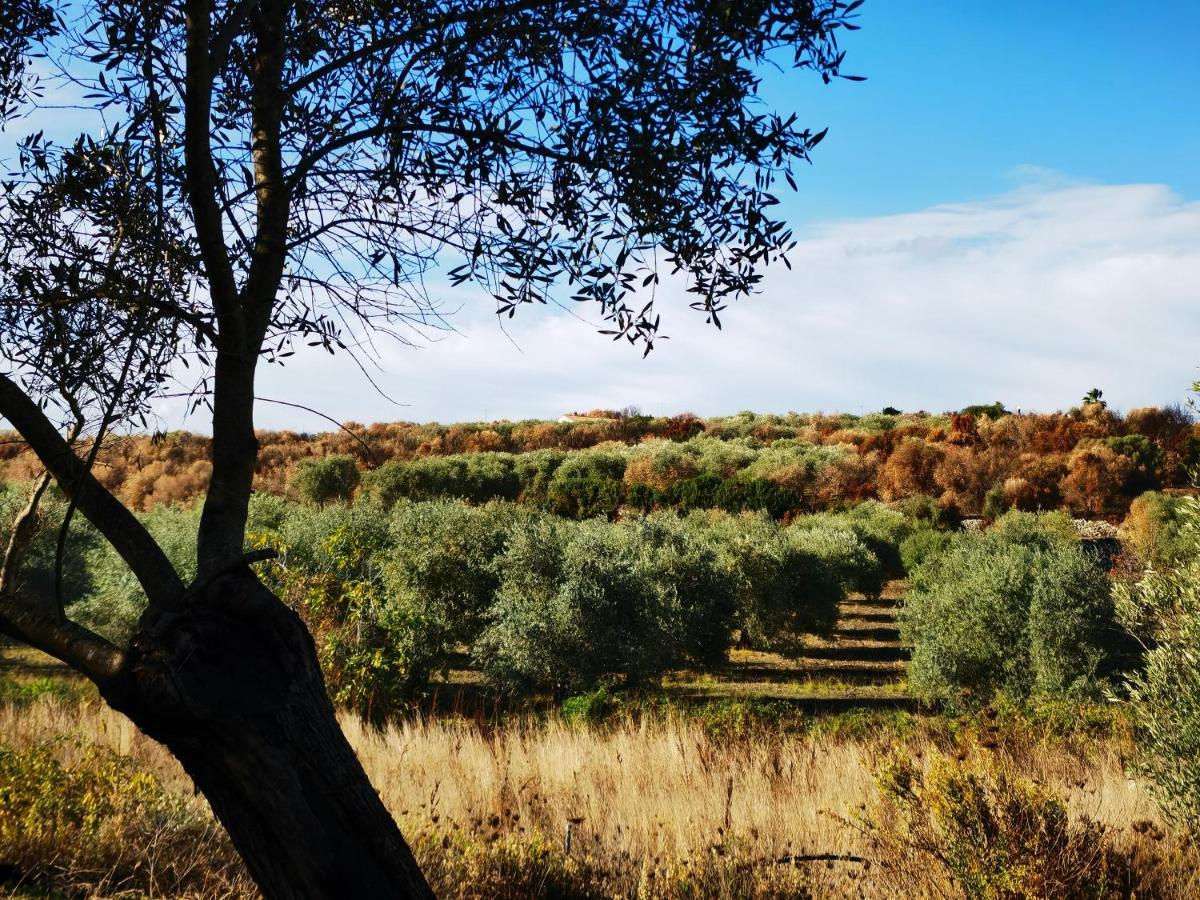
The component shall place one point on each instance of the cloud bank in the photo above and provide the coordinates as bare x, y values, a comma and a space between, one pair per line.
1031, 298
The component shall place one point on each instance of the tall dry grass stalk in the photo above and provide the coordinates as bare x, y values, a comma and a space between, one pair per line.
647, 799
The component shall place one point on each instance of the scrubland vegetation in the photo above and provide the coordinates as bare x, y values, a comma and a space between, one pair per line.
1090, 461
523, 642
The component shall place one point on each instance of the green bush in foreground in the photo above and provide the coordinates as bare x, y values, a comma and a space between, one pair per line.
962, 828
1164, 608
1017, 610
99, 825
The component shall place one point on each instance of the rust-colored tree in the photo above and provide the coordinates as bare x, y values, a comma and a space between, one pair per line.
262, 172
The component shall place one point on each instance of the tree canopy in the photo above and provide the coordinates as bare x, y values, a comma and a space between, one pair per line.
315, 160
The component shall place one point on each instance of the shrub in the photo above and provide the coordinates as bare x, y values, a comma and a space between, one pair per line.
982, 831
430, 478
35, 581
267, 512
99, 821
1155, 529
534, 471
722, 458
1164, 608
1041, 531
694, 596
589, 708
757, 495
330, 478
477, 477
786, 583
1145, 456
346, 541
587, 485
1098, 480
924, 510
569, 612
849, 480
331, 572
996, 502
113, 600
660, 466
922, 545
489, 476
1073, 638
994, 410
1171, 430
1017, 610
1039, 482
878, 526
842, 555
794, 465
910, 469
963, 476
706, 491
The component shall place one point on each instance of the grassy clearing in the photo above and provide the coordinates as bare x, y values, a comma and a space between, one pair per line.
861, 662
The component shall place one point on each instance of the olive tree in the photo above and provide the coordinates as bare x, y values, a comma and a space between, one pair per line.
329, 478
258, 174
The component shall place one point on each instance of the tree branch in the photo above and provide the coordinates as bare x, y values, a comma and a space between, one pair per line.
493, 136
235, 448
21, 535
223, 39
497, 12
81, 649
201, 171
119, 526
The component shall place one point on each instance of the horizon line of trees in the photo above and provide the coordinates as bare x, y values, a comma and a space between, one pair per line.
1090, 460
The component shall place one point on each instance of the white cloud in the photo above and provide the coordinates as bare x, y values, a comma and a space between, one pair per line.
1031, 298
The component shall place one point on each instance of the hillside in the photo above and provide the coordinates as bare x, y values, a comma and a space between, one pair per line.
1090, 461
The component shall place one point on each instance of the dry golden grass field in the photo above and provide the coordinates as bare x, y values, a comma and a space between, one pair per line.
722, 803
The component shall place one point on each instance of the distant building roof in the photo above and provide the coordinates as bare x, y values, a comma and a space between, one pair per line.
587, 417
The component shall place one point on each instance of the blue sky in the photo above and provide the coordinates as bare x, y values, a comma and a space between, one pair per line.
962, 95
1008, 208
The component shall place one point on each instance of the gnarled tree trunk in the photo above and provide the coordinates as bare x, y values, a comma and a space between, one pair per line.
229, 682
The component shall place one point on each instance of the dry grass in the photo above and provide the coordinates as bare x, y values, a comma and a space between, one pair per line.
662, 807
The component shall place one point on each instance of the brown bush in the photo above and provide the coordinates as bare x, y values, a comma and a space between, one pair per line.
683, 426
848, 480
963, 430
910, 470
1097, 481
660, 471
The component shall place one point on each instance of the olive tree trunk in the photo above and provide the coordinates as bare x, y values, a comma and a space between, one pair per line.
229, 682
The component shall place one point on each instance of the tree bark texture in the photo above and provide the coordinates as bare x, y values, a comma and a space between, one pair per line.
229, 682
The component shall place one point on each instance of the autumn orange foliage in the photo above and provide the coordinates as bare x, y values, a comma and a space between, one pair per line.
1036, 461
